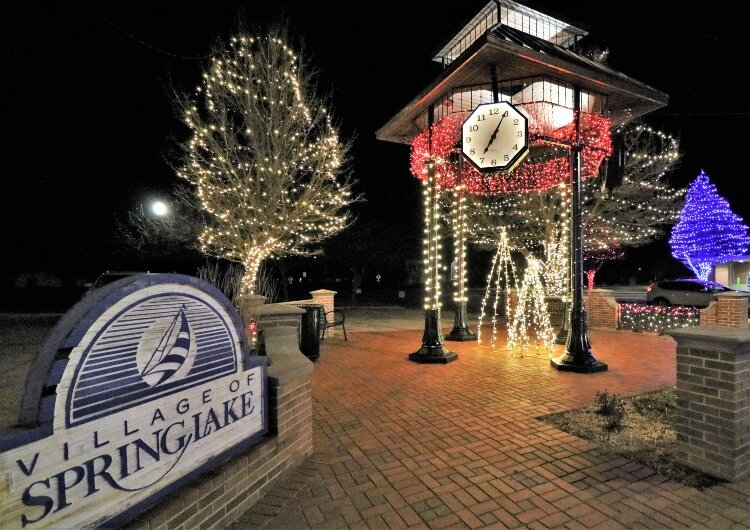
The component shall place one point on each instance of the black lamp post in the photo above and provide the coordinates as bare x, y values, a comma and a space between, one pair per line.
432, 349
577, 356
460, 331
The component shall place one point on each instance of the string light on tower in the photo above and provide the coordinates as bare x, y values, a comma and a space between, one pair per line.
544, 168
460, 225
431, 244
629, 213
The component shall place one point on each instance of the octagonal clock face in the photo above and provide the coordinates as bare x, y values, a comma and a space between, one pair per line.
495, 137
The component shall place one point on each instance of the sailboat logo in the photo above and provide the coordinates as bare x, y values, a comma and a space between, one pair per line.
166, 350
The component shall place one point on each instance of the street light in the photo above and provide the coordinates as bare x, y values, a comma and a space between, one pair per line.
159, 208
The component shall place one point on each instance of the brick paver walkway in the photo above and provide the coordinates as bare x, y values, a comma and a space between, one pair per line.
401, 445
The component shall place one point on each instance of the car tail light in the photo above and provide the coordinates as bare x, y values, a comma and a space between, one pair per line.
650, 288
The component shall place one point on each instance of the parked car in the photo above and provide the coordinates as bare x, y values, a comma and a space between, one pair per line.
688, 291
107, 278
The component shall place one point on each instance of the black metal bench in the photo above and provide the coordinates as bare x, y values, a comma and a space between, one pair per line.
331, 319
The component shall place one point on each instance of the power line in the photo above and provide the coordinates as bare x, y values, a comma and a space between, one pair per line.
144, 43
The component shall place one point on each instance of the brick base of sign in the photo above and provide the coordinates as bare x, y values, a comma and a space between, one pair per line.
713, 399
217, 498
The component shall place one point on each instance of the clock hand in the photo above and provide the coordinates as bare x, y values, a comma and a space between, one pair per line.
494, 134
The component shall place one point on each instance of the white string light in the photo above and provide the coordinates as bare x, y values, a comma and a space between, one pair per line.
263, 158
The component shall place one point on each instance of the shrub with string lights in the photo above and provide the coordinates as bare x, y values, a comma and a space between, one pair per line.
264, 158
708, 231
655, 318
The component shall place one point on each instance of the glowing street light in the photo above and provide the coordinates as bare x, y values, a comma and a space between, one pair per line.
159, 208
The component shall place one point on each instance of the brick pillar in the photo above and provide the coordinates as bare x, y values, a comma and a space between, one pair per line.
727, 309
601, 309
707, 316
713, 399
325, 297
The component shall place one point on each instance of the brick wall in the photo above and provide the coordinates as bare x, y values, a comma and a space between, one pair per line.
555, 308
713, 399
729, 309
219, 497
601, 309
707, 315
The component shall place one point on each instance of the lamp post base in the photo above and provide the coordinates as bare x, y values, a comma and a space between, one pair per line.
461, 331
432, 350
461, 335
432, 355
580, 364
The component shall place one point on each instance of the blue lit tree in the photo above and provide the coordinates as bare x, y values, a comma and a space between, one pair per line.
708, 231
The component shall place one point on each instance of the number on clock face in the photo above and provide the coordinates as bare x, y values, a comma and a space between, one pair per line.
495, 137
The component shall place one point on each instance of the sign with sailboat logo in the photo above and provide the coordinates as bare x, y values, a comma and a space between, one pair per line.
151, 384
172, 356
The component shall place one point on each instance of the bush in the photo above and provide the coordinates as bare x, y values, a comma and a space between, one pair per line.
612, 408
661, 405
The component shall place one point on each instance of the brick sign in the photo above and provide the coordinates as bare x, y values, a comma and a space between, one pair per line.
145, 384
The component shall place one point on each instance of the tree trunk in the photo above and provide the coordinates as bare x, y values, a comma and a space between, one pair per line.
590, 278
252, 265
281, 265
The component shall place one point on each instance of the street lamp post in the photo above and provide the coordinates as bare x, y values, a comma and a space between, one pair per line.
577, 356
460, 331
432, 350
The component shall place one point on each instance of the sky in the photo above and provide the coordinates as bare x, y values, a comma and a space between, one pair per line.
91, 130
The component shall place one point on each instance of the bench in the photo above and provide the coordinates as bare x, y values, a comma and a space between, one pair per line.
331, 319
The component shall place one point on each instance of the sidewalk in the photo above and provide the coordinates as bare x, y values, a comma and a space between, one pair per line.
401, 445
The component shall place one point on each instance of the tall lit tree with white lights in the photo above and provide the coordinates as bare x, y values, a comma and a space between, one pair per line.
708, 231
264, 159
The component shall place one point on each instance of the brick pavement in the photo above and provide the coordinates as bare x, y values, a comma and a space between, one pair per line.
402, 445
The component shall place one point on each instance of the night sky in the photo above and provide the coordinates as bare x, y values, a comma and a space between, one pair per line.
89, 127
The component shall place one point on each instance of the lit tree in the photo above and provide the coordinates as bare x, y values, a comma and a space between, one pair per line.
628, 213
708, 231
264, 158
635, 210
594, 258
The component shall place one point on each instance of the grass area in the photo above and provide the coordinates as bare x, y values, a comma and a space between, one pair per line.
640, 428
